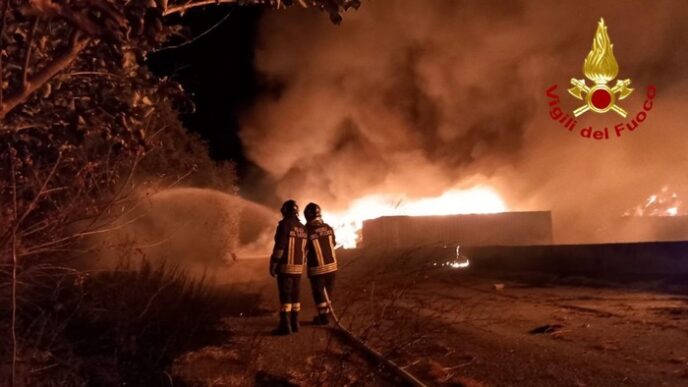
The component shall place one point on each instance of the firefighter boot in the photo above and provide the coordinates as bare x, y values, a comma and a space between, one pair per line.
284, 328
294, 321
324, 320
321, 319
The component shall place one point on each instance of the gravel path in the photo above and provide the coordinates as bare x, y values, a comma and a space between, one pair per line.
453, 327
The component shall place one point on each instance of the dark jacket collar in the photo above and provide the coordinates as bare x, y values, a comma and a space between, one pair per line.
316, 221
291, 218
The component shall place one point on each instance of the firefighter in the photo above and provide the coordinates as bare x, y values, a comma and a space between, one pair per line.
322, 261
286, 263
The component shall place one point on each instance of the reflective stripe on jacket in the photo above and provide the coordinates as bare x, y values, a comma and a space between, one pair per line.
290, 239
321, 255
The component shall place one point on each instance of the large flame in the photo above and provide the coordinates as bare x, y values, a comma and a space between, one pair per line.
348, 224
600, 65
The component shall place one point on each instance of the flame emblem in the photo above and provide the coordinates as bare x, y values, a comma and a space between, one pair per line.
601, 67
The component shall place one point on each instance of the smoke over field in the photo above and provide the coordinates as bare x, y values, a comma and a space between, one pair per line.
415, 98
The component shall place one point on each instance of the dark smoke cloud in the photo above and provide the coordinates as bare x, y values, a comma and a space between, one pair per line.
415, 97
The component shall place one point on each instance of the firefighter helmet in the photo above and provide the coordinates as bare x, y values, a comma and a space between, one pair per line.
312, 211
290, 208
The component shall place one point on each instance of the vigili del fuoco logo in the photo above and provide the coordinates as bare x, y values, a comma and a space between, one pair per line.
601, 68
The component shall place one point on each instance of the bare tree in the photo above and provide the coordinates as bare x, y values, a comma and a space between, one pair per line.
83, 123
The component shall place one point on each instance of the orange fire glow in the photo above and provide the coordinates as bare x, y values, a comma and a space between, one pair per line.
348, 224
663, 203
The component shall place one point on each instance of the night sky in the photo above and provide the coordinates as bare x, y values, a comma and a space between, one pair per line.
216, 70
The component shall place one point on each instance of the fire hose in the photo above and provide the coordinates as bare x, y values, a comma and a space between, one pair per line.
399, 371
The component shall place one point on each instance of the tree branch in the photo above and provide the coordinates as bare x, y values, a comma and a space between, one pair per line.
204, 33
76, 18
27, 56
64, 240
18, 220
40, 193
185, 7
42, 77
111, 11
3, 12
14, 274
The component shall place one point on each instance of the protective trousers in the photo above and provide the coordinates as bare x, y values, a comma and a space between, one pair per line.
289, 287
319, 283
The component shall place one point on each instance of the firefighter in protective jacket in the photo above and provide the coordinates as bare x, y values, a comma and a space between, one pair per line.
322, 261
286, 263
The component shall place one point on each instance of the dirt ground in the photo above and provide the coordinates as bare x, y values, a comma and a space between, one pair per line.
454, 327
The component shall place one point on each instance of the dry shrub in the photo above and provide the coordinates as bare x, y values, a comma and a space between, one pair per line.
112, 327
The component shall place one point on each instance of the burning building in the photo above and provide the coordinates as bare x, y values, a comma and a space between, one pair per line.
505, 228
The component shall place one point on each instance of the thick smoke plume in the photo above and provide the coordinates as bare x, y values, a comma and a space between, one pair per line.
415, 97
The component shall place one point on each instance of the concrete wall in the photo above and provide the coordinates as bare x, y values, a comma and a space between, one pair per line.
612, 260
647, 228
508, 228
646, 261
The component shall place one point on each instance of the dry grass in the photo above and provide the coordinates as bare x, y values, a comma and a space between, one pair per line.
106, 328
